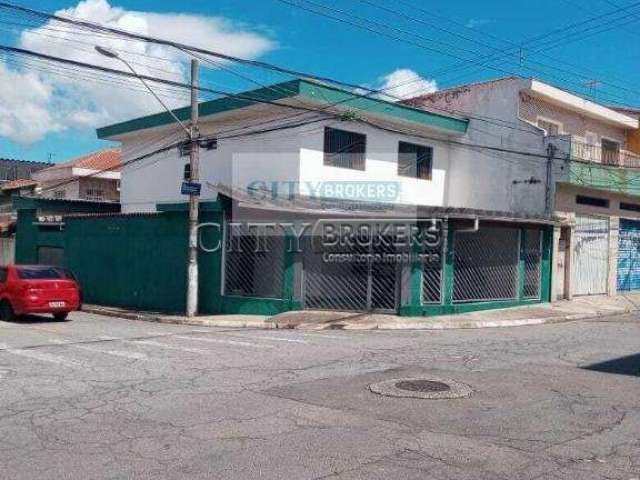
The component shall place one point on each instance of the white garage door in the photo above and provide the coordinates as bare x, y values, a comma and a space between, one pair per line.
591, 256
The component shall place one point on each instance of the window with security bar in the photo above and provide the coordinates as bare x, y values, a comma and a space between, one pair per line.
414, 160
344, 149
532, 256
254, 263
486, 264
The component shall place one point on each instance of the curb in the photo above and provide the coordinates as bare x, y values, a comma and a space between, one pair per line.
245, 321
177, 320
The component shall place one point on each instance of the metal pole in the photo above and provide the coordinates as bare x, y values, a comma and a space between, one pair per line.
192, 265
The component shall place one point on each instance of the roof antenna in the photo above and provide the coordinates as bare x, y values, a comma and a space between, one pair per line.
593, 85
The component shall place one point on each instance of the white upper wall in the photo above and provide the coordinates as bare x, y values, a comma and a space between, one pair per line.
285, 159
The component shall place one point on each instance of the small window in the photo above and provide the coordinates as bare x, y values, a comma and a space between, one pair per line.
610, 152
592, 201
344, 149
632, 207
414, 160
550, 128
59, 194
186, 175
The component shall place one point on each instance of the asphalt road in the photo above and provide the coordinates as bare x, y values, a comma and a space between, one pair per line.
107, 398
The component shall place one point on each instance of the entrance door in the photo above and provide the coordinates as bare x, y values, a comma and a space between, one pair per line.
591, 256
351, 280
628, 277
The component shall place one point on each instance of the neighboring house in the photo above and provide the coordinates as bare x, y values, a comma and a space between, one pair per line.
94, 177
590, 177
351, 157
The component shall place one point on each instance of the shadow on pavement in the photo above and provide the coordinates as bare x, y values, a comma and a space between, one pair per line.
28, 319
629, 365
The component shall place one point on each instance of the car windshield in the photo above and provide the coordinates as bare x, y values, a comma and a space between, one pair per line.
44, 273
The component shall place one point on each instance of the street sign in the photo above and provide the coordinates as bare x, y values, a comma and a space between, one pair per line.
191, 188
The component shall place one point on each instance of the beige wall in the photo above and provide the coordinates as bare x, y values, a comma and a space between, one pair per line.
566, 202
572, 123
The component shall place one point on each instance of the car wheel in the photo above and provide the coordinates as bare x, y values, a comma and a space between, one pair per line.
6, 312
61, 317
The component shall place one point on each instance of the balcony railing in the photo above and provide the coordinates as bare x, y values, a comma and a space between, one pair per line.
588, 152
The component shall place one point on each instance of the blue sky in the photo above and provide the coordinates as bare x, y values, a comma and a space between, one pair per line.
308, 42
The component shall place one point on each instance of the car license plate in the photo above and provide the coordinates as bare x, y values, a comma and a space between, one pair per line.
56, 304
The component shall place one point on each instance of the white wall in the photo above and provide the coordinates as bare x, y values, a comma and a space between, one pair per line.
291, 156
492, 180
381, 166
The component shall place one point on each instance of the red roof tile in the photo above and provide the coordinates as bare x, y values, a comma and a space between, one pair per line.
19, 183
101, 160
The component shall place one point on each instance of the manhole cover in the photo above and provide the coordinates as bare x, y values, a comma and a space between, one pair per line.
422, 386
426, 388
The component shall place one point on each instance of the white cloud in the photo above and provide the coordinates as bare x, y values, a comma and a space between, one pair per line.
58, 102
404, 83
24, 106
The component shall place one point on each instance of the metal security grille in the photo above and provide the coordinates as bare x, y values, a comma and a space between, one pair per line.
591, 256
359, 279
334, 284
628, 277
432, 275
254, 264
532, 256
486, 264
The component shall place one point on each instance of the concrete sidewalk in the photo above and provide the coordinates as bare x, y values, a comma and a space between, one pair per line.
561, 311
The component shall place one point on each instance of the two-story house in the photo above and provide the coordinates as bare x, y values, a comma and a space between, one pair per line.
589, 177
94, 177
343, 164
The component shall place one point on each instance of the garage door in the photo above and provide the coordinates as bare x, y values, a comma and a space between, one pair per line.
591, 256
629, 255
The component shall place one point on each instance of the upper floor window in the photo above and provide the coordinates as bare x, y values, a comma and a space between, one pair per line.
59, 194
414, 161
610, 151
549, 126
344, 149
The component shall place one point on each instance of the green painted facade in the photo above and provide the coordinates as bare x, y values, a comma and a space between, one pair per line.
595, 175
303, 89
448, 306
139, 262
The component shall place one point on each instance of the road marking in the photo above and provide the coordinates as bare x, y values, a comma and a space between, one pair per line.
151, 343
225, 342
43, 357
281, 339
116, 353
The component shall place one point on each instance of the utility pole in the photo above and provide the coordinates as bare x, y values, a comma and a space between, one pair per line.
194, 163
551, 153
193, 138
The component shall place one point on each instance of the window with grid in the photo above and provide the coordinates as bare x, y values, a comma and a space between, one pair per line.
414, 160
59, 194
344, 149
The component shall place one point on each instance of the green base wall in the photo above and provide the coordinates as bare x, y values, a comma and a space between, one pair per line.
139, 262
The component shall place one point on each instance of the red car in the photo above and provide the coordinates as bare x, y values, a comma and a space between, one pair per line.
38, 289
